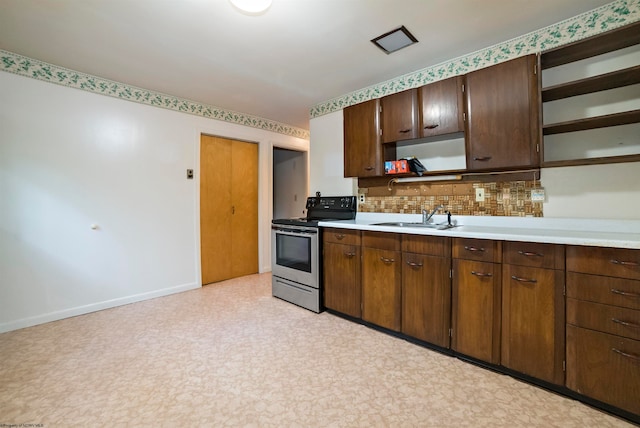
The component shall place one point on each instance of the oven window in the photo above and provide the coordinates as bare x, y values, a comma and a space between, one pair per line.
293, 252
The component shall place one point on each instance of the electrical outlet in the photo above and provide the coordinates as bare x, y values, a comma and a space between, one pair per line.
537, 195
479, 194
361, 198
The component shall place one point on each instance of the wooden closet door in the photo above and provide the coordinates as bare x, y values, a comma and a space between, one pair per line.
228, 208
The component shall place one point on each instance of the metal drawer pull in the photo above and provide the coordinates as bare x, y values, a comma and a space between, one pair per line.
625, 293
434, 126
474, 249
473, 272
624, 354
530, 254
368, 168
625, 323
412, 264
387, 261
517, 278
482, 158
339, 236
404, 131
350, 254
623, 263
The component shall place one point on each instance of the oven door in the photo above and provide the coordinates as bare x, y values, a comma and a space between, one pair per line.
294, 254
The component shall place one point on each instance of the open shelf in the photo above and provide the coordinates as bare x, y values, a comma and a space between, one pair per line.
619, 38
615, 119
603, 82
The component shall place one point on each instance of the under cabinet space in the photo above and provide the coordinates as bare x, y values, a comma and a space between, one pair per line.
445, 153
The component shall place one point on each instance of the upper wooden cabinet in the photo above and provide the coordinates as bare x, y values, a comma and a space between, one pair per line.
362, 148
400, 119
442, 107
503, 116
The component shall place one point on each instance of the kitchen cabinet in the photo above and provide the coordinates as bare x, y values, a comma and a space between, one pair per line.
502, 104
603, 325
588, 83
363, 152
381, 279
400, 120
533, 310
426, 290
476, 298
442, 107
342, 286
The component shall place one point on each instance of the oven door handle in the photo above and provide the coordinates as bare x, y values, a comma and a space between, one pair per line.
294, 232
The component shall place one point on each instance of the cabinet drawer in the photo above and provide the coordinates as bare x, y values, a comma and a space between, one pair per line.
381, 240
341, 236
605, 318
604, 367
484, 250
617, 262
429, 245
548, 256
603, 289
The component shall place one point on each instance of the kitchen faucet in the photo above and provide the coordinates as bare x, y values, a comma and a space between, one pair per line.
426, 216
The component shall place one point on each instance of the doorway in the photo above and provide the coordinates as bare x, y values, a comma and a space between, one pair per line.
290, 183
228, 208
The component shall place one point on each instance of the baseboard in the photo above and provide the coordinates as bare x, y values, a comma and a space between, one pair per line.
93, 307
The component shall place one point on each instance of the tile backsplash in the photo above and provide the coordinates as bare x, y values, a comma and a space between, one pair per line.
501, 198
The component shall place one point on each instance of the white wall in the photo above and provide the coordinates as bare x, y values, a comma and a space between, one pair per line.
70, 159
594, 191
326, 174
290, 183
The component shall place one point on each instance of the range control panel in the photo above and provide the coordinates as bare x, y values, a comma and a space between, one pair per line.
332, 207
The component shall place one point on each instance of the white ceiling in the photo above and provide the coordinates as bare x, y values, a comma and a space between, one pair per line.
275, 66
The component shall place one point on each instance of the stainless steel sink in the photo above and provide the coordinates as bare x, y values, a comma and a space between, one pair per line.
441, 226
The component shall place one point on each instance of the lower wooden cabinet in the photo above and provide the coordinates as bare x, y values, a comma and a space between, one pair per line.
475, 310
533, 321
426, 291
381, 279
342, 290
605, 367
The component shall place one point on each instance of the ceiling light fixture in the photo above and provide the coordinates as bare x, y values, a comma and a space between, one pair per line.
395, 40
251, 7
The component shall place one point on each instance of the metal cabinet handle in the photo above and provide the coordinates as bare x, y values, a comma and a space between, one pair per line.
414, 265
387, 261
625, 323
404, 131
481, 274
369, 168
517, 278
350, 255
626, 354
474, 249
482, 158
530, 254
339, 236
434, 126
624, 293
623, 263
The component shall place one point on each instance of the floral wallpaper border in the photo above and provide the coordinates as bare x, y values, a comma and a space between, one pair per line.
24, 66
604, 18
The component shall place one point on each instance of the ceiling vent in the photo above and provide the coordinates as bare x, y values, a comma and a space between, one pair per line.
395, 40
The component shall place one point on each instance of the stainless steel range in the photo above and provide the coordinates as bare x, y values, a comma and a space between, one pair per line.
296, 250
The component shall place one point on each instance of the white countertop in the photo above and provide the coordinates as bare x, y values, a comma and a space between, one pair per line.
592, 232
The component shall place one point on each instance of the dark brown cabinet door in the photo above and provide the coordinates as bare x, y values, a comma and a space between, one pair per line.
426, 298
533, 321
442, 107
475, 317
604, 367
362, 148
400, 116
381, 270
342, 289
503, 116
